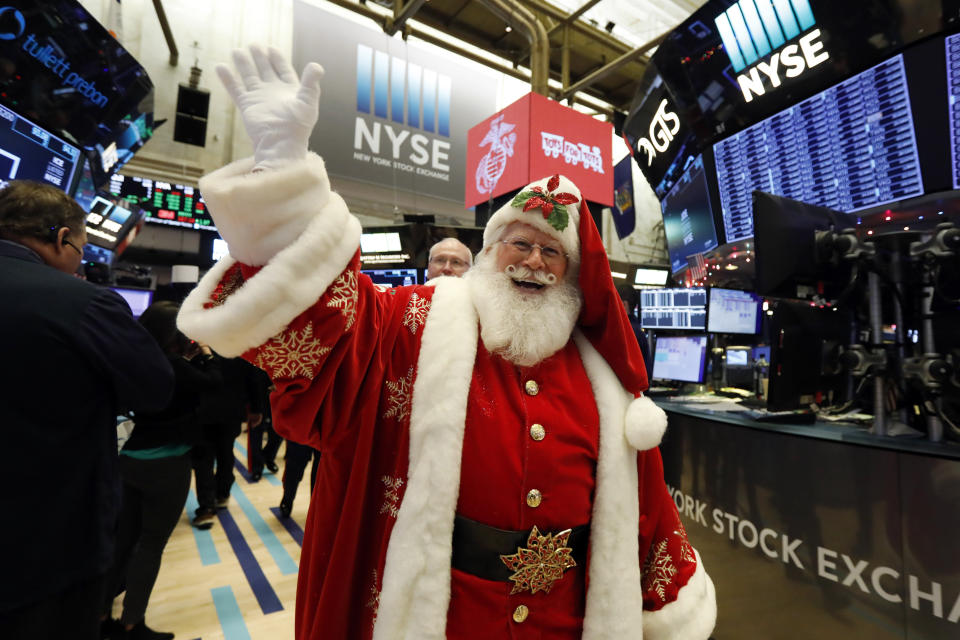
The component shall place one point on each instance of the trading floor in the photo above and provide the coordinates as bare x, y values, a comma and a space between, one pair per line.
237, 580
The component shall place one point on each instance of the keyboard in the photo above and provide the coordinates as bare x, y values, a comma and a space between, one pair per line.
785, 417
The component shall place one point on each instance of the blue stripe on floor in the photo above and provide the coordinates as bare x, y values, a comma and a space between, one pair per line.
285, 563
228, 612
270, 477
264, 593
205, 546
290, 525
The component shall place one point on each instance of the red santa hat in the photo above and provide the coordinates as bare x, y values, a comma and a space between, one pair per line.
554, 205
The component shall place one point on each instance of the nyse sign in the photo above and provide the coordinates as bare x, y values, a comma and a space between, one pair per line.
790, 61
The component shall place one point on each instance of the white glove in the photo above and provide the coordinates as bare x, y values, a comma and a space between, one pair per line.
278, 111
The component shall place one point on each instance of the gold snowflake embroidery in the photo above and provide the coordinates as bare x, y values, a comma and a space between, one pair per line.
416, 314
541, 564
658, 570
401, 394
343, 296
292, 354
374, 602
231, 281
391, 495
686, 549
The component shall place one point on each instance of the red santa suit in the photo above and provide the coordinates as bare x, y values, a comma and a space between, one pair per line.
419, 423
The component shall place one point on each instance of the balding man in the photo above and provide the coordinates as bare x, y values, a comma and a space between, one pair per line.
449, 257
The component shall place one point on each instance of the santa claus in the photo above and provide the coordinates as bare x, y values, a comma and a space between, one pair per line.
489, 462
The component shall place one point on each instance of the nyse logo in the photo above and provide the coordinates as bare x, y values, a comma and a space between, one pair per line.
752, 29
407, 96
663, 128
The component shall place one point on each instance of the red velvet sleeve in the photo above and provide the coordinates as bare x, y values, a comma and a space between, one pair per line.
670, 561
328, 364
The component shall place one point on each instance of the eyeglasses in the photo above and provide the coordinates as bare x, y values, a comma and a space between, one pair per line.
549, 254
73, 246
456, 263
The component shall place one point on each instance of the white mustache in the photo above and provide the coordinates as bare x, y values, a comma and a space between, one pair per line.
526, 273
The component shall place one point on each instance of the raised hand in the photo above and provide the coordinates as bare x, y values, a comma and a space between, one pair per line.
278, 110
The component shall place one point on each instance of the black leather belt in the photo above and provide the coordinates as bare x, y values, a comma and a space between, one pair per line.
477, 548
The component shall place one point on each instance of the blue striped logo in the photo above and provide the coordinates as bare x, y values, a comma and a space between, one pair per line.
751, 29
406, 93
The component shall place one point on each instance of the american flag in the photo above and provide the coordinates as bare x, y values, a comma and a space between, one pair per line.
698, 266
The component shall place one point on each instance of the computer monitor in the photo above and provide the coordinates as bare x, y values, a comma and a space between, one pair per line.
673, 309
732, 311
30, 152
650, 276
786, 247
739, 367
138, 299
219, 250
680, 358
804, 352
379, 242
688, 217
392, 277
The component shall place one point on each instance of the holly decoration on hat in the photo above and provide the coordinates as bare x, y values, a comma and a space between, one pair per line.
552, 205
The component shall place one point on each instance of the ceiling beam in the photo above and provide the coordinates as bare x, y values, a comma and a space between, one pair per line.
573, 16
606, 70
401, 16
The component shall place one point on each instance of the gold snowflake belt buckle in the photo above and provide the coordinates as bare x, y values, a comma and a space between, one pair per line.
544, 561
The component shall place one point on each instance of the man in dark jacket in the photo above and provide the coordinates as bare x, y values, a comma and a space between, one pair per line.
74, 358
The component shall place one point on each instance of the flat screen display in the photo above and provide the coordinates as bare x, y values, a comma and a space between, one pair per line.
164, 202
848, 148
656, 277
673, 309
74, 78
732, 311
392, 277
30, 152
680, 358
738, 356
952, 44
688, 217
109, 223
379, 242
220, 249
138, 299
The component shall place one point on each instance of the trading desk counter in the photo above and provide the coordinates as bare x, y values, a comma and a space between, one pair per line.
820, 530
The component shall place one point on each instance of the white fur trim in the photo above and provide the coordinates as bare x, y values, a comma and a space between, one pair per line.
691, 616
569, 237
416, 579
614, 608
645, 424
245, 205
288, 285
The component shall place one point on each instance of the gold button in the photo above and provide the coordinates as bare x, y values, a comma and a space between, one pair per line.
532, 387
537, 432
520, 613
534, 498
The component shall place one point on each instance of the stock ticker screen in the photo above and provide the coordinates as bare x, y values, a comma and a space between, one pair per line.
952, 44
162, 202
849, 147
687, 216
673, 309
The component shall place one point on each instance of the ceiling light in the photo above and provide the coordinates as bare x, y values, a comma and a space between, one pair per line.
508, 29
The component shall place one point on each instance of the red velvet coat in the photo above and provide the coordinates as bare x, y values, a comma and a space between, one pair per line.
417, 421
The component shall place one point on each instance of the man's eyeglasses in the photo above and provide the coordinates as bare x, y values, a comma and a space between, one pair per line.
549, 254
440, 261
73, 246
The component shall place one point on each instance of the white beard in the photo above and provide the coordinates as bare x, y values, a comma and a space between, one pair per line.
523, 328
